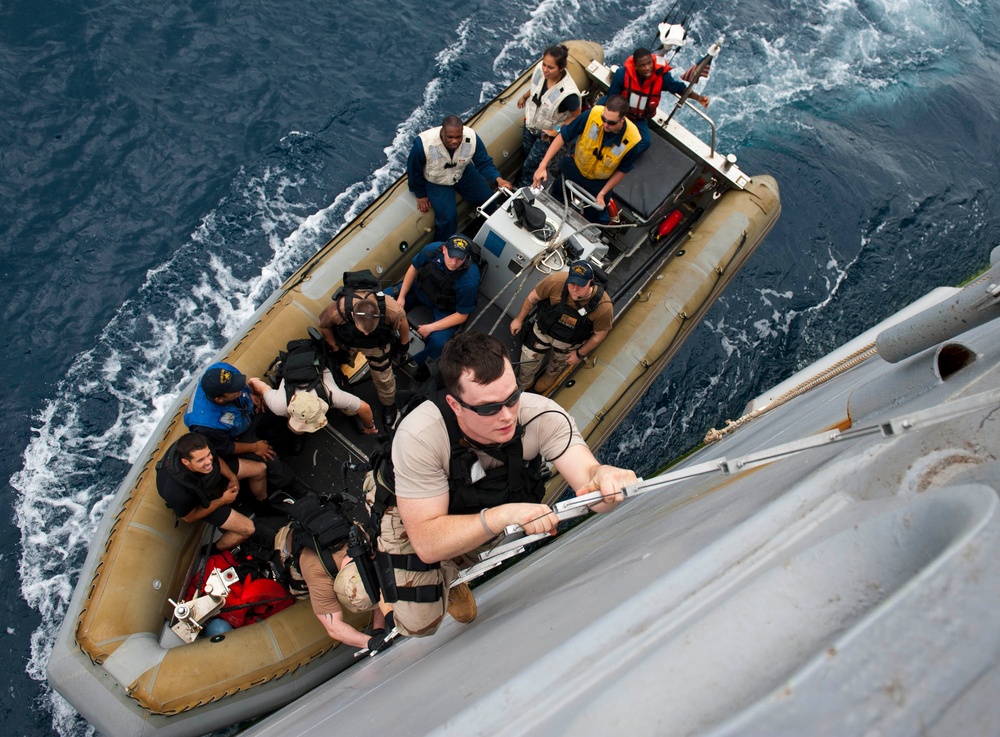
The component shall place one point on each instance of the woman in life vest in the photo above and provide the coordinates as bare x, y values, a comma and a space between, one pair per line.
552, 99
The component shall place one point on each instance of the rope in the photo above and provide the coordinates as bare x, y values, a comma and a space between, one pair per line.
859, 356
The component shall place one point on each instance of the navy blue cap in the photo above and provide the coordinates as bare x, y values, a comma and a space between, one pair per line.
458, 246
581, 273
218, 381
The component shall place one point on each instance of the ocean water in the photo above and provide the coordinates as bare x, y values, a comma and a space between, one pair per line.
164, 167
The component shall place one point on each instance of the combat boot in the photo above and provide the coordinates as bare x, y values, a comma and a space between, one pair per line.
389, 414
462, 604
546, 381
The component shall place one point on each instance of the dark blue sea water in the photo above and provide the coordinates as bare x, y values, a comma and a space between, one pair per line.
163, 166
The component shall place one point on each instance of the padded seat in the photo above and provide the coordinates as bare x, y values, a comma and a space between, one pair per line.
658, 172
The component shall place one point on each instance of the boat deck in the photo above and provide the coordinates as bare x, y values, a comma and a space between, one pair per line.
651, 192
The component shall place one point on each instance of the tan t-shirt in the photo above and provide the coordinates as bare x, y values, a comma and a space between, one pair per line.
551, 287
395, 315
421, 450
321, 592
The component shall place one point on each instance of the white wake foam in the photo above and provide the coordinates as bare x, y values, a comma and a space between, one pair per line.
102, 413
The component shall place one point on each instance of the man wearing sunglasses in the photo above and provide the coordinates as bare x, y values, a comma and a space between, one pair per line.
468, 464
605, 152
438, 168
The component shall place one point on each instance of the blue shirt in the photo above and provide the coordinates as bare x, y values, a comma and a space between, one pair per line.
417, 160
466, 285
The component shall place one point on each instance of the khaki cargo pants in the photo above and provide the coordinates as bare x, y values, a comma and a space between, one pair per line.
413, 619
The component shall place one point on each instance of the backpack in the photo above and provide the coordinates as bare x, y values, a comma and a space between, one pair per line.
301, 366
363, 280
319, 524
325, 524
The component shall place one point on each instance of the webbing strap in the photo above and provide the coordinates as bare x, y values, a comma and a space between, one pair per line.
420, 594
412, 562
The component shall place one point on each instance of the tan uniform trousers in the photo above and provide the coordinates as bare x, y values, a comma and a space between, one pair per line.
384, 380
414, 619
531, 359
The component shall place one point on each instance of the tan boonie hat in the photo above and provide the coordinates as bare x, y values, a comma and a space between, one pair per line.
350, 590
306, 412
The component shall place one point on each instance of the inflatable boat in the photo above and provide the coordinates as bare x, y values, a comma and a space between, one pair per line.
688, 220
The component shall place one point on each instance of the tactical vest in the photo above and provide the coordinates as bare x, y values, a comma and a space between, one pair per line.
564, 322
518, 480
541, 110
347, 333
206, 487
592, 157
438, 283
444, 167
321, 526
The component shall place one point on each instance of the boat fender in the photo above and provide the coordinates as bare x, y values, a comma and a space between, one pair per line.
216, 629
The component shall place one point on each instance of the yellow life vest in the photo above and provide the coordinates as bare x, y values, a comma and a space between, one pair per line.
592, 157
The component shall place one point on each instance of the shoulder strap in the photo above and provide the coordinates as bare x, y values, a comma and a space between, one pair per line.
595, 301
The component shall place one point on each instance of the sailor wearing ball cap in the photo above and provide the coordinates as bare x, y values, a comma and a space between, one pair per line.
444, 277
573, 316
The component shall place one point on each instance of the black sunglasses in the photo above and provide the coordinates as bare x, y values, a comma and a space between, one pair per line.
488, 410
612, 123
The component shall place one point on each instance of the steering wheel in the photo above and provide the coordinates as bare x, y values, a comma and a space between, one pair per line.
580, 195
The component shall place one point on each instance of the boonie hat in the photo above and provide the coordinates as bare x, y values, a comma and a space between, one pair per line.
458, 247
350, 590
220, 380
581, 273
306, 412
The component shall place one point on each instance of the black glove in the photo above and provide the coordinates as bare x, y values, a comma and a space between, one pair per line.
377, 643
390, 622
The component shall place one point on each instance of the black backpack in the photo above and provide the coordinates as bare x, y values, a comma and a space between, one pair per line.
363, 280
301, 366
321, 525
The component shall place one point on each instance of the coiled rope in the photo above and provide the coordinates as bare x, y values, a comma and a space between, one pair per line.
859, 356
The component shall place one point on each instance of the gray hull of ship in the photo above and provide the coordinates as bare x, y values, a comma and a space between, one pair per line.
849, 589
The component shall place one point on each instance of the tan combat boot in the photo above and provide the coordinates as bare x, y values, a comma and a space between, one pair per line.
462, 604
546, 381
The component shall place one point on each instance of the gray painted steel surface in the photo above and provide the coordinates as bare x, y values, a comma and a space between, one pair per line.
850, 589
